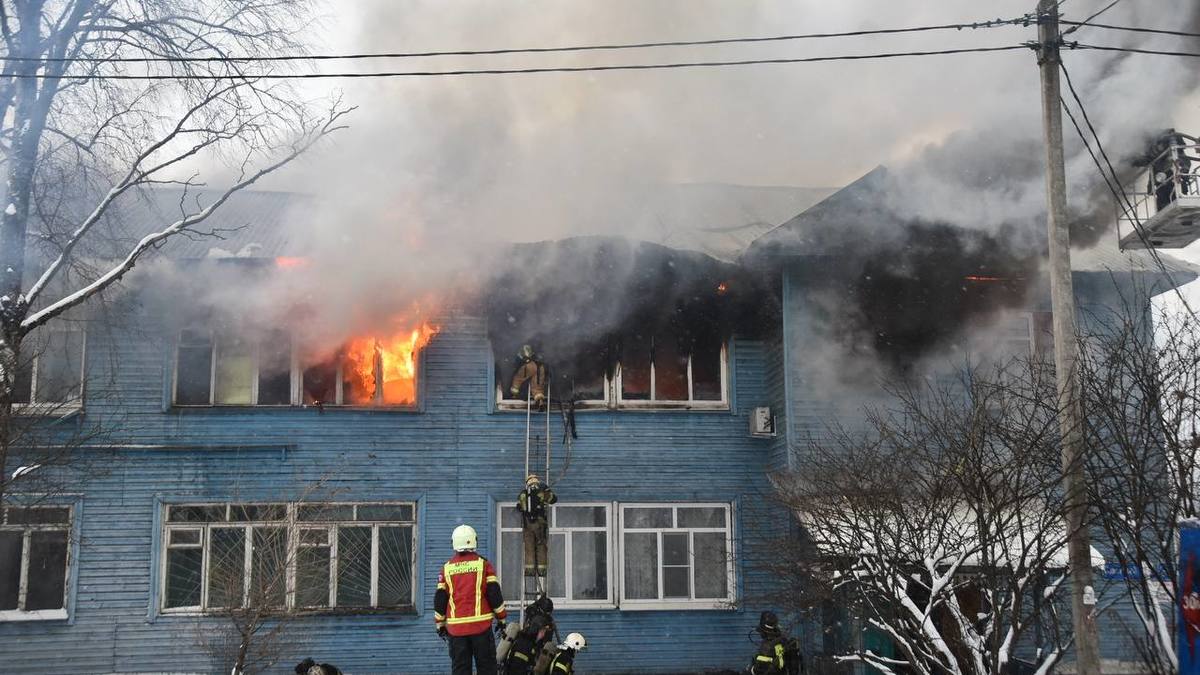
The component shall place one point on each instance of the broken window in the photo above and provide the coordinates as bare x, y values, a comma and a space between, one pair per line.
51, 368
671, 366
351, 556
233, 367
573, 372
34, 547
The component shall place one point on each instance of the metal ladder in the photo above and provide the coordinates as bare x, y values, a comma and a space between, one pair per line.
539, 571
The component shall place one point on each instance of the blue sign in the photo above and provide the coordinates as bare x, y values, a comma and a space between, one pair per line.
1188, 628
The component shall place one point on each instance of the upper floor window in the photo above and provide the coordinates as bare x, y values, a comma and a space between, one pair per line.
268, 368
34, 562
286, 557
52, 368
663, 369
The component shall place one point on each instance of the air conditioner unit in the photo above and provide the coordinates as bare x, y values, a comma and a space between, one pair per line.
762, 423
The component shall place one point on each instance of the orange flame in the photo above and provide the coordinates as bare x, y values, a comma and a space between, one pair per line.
390, 359
289, 262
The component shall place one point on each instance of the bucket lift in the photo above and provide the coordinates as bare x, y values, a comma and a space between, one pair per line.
1164, 200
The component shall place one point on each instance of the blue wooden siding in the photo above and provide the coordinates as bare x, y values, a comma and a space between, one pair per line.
456, 458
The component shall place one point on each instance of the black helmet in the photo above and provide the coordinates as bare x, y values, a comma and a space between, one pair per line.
543, 605
768, 624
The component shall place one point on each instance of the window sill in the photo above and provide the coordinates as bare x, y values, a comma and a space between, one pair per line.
16, 615
626, 406
408, 610
231, 409
684, 605
55, 409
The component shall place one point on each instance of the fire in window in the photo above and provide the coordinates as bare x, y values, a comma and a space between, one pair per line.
671, 366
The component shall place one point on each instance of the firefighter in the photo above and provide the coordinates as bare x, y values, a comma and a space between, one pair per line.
532, 503
532, 371
564, 661
777, 653
468, 597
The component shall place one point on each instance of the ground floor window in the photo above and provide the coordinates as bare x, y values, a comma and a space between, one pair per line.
35, 559
288, 556
656, 556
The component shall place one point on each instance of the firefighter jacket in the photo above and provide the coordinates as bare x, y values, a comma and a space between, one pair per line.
535, 374
563, 663
468, 595
532, 502
770, 658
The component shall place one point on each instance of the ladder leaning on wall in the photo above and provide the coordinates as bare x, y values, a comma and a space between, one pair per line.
539, 571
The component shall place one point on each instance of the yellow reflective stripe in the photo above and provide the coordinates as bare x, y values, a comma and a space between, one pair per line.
449, 586
439, 617
454, 621
479, 588
561, 666
492, 579
761, 657
500, 610
521, 655
441, 586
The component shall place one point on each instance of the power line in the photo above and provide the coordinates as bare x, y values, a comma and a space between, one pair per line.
515, 71
1122, 199
1136, 29
994, 23
1136, 50
1088, 20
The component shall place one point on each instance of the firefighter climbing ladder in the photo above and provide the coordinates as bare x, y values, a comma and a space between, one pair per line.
540, 566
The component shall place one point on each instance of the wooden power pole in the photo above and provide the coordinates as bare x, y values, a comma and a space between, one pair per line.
1083, 596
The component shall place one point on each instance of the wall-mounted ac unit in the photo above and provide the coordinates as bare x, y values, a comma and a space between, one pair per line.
762, 423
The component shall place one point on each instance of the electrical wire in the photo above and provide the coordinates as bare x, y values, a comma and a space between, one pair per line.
994, 23
1122, 198
1088, 20
1134, 50
1135, 29
514, 71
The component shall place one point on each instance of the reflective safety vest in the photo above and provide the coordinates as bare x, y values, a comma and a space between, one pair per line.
465, 579
769, 660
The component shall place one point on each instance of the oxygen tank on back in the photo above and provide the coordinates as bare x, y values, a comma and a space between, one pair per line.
506, 642
549, 650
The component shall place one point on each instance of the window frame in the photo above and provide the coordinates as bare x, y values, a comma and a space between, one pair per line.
615, 400
27, 529
608, 602
74, 403
296, 371
661, 603
292, 526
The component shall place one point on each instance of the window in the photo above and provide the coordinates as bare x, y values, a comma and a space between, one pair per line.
676, 555
34, 562
670, 369
51, 372
224, 367
300, 556
579, 549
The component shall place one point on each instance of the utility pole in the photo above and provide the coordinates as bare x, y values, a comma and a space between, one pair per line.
1070, 420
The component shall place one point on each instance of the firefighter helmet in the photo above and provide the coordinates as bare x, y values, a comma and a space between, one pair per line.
464, 538
574, 641
532, 480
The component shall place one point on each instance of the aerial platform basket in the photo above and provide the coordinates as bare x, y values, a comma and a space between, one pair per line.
1164, 209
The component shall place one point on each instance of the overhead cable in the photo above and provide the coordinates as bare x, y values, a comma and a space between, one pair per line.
1077, 25
1136, 50
511, 71
1135, 29
519, 50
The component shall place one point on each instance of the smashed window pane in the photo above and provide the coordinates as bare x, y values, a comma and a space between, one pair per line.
354, 567
226, 567
10, 569
635, 367
235, 370
193, 368
670, 370
395, 566
60, 368
47, 575
275, 369
320, 383
706, 369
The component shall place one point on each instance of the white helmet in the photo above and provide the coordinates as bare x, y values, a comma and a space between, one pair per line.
574, 641
464, 538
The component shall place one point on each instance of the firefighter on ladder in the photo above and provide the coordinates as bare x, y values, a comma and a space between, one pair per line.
532, 503
468, 597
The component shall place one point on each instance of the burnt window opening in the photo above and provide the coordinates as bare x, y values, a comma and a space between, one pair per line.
579, 373
51, 368
364, 372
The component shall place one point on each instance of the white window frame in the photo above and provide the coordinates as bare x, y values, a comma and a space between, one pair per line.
296, 384
674, 603
614, 397
27, 530
690, 403
292, 526
34, 405
611, 558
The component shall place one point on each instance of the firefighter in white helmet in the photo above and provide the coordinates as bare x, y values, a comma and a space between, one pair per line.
468, 598
564, 660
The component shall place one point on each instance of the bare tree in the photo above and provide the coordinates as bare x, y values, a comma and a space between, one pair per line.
102, 98
938, 524
1142, 391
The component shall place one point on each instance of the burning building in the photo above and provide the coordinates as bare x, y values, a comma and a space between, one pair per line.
263, 455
